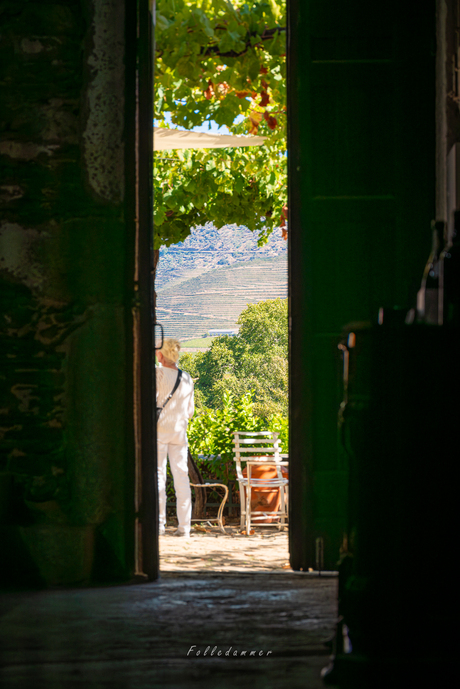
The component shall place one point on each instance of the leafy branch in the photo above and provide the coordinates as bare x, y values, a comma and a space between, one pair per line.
268, 33
222, 62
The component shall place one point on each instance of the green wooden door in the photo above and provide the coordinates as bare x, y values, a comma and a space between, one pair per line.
362, 192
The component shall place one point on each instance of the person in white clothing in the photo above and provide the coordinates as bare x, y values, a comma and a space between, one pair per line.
172, 434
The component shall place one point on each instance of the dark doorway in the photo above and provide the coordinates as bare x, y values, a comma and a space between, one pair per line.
361, 99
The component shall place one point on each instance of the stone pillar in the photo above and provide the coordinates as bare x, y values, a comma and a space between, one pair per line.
67, 247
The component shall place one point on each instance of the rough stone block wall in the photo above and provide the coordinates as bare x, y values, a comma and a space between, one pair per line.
66, 261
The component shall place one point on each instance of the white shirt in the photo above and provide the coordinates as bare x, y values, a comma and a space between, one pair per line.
173, 421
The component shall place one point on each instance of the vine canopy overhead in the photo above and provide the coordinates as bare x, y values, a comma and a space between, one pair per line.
221, 62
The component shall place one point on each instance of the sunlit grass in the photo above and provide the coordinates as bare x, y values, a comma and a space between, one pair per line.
198, 342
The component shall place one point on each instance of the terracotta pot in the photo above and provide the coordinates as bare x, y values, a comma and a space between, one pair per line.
265, 499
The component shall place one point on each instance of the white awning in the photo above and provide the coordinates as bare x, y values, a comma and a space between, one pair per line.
168, 139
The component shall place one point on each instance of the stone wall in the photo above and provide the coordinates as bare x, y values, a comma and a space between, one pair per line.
66, 272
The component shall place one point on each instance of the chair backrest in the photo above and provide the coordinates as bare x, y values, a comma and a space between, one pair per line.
255, 445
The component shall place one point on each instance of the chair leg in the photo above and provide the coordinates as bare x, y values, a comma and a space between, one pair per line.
282, 509
242, 507
221, 509
248, 509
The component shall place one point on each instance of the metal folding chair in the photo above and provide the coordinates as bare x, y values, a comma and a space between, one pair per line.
259, 449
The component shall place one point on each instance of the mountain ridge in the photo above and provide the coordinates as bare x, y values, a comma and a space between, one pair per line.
206, 281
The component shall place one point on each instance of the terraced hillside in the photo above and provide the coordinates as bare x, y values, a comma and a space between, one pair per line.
206, 281
207, 248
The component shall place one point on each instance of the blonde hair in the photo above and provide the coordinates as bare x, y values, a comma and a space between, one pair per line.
170, 350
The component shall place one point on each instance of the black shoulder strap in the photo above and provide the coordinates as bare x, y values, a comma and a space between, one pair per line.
176, 385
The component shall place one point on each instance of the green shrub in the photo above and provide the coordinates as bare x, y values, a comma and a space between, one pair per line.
211, 433
280, 424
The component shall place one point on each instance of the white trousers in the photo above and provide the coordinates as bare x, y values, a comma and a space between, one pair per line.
177, 455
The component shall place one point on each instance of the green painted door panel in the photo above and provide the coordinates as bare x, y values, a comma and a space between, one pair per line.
351, 107
361, 177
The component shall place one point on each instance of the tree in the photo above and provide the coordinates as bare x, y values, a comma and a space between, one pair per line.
264, 326
221, 62
254, 362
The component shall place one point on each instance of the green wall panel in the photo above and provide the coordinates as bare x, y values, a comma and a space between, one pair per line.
361, 177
